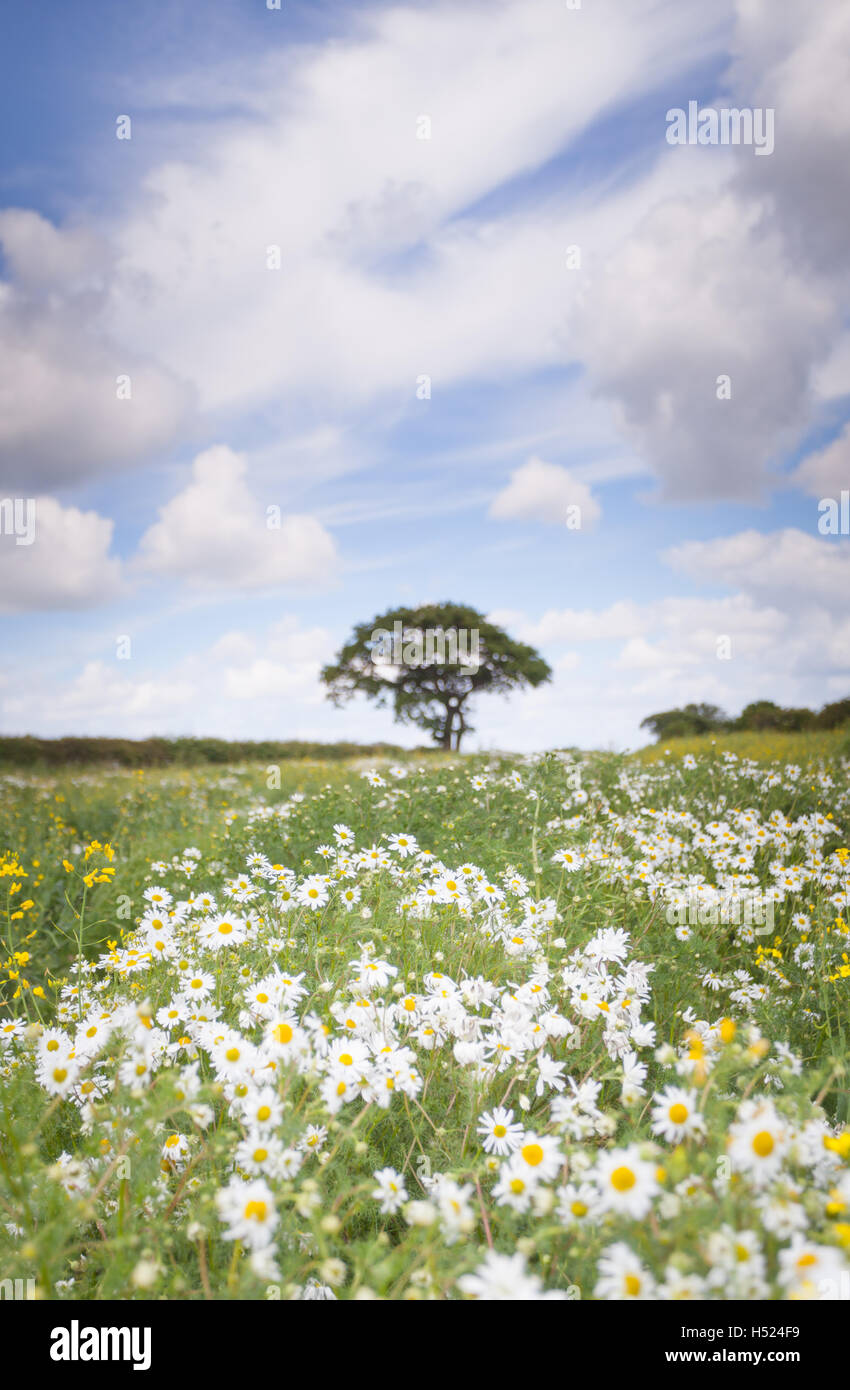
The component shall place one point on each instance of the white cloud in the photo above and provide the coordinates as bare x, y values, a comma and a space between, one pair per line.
621, 619
385, 272
695, 640
67, 565
61, 416
638, 654
659, 633
831, 380
395, 267
73, 261
672, 654
796, 59
786, 567
540, 491
740, 279
103, 698
700, 294
826, 473
243, 685
215, 534
285, 664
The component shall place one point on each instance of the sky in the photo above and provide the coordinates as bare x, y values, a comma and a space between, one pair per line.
430, 286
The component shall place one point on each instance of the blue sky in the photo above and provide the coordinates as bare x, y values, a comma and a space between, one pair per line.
400, 257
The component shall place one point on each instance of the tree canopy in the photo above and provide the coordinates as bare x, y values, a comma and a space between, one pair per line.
761, 714
428, 662
692, 719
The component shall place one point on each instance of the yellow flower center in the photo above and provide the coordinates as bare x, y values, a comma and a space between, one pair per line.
622, 1179
763, 1144
533, 1154
678, 1114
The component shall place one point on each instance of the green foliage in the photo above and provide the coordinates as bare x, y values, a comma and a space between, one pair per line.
53, 753
835, 715
681, 723
754, 718
764, 714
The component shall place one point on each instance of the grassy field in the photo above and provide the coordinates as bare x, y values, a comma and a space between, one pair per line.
452, 1028
767, 746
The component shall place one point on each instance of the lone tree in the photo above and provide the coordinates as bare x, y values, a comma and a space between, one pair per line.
428, 661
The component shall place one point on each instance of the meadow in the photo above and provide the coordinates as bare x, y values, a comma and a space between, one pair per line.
807, 746
557, 1026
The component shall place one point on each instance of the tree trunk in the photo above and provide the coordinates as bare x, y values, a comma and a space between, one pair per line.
446, 736
461, 728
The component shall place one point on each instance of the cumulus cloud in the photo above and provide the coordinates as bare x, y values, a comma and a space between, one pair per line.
831, 380
540, 491
728, 651
402, 262
103, 699
785, 567
687, 626
388, 271
695, 634
217, 534
42, 257
797, 59
704, 337
738, 278
285, 664
64, 414
621, 619
826, 472
66, 564
233, 688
